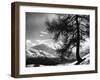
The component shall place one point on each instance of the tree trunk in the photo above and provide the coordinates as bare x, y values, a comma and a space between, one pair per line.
62, 58
79, 59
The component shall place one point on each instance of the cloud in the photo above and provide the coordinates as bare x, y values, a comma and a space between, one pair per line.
41, 41
33, 44
50, 43
28, 41
42, 32
41, 35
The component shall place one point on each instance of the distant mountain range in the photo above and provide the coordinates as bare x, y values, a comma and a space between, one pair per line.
45, 48
41, 54
41, 50
48, 42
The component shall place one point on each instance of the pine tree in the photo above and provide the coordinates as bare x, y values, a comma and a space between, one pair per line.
73, 29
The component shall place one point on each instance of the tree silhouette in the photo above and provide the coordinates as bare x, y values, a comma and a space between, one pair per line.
71, 29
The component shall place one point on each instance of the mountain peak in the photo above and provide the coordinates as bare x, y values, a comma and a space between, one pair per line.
47, 42
44, 47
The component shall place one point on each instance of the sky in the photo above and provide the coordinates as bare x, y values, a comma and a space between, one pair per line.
36, 32
36, 27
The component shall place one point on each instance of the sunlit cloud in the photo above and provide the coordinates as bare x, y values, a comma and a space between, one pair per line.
50, 43
42, 32
28, 41
41, 35
41, 41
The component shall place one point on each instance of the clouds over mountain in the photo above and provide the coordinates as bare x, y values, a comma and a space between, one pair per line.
48, 42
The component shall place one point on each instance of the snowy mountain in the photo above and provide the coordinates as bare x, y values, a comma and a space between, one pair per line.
48, 42
41, 50
41, 53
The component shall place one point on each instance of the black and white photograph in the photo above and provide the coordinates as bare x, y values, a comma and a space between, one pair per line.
52, 39
57, 39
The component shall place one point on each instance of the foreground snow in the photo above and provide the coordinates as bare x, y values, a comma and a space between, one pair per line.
86, 61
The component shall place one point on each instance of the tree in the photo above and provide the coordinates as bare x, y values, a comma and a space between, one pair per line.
73, 28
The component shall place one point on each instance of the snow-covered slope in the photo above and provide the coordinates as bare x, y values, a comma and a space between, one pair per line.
86, 61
